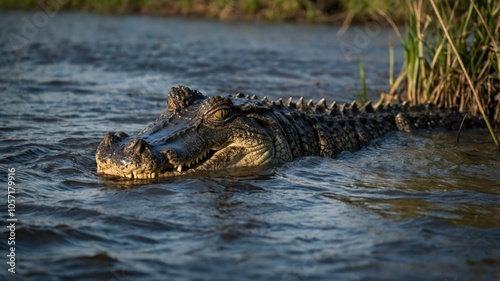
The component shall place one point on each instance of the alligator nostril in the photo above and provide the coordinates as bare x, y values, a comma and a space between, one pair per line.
109, 139
121, 135
137, 145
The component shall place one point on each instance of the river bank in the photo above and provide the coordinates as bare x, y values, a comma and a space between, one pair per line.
322, 11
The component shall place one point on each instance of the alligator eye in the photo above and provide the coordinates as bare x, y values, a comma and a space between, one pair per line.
220, 114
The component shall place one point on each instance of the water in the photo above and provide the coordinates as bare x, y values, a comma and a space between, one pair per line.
406, 207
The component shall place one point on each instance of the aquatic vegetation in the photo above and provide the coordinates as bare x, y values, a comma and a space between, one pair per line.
452, 57
362, 95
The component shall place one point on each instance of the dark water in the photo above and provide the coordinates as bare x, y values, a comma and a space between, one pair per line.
407, 207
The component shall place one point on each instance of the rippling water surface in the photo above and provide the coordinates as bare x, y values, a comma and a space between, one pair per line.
406, 207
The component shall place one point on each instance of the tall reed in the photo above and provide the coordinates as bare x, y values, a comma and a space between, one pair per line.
452, 57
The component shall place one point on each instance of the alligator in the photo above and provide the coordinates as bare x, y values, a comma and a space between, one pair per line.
241, 133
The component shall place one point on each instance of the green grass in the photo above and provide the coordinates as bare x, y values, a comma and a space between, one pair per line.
452, 58
363, 95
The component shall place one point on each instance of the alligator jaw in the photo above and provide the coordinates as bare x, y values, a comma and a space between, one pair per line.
106, 168
216, 159
163, 168
188, 166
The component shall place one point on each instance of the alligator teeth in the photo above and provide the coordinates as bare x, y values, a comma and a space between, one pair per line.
198, 159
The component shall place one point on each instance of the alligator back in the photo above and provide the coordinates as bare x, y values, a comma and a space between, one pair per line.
318, 129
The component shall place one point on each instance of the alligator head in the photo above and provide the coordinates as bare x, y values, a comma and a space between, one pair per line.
196, 134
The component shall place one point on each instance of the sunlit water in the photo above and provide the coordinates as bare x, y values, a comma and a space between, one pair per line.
406, 207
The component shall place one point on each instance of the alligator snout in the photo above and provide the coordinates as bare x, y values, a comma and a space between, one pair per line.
120, 154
